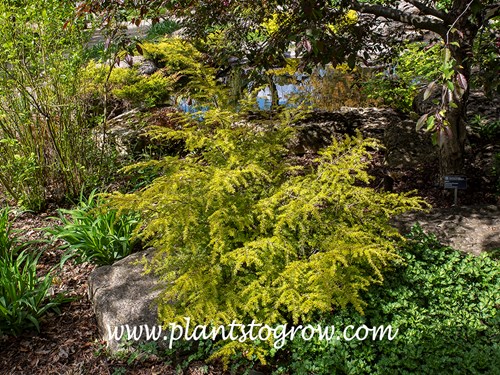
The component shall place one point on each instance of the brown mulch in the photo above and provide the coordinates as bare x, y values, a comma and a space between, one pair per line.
69, 342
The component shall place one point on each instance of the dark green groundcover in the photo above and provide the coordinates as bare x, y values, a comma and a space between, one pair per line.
445, 305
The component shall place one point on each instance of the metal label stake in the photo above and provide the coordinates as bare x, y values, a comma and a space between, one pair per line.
455, 183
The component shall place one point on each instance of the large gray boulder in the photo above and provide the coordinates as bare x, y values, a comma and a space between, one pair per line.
121, 294
125, 133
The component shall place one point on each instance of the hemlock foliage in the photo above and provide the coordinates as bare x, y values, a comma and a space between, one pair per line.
443, 302
243, 233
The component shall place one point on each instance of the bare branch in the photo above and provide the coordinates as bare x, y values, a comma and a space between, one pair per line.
419, 22
429, 11
457, 19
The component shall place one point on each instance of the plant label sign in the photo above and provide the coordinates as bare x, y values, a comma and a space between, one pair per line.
455, 182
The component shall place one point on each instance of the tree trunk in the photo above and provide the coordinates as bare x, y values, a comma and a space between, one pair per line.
452, 148
274, 91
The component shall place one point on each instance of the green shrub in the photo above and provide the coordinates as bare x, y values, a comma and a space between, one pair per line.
174, 54
488, 130
183, 73
23, 294
20, 174
95, 234
486, 59
445, 305
42, 114
161, 29
126, 85
243, 234
411, 70
181, 61
150, 90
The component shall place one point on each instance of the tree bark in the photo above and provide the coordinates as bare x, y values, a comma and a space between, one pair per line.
274, 92
460, 42
452, 149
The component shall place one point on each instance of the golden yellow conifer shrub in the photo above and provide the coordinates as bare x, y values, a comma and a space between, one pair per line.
242, 233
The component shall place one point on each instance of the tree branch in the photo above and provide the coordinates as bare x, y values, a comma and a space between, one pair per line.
490, 12
419, 22
429, 11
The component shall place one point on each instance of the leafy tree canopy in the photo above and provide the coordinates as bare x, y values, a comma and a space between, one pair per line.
261, 31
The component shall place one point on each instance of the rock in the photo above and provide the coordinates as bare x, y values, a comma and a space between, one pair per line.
180, 33
122, 294
147, 67
317, 130
125, 133
487, 108
128, 62
405, 148
144, 67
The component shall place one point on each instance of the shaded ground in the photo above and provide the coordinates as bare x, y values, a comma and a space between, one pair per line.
473, 229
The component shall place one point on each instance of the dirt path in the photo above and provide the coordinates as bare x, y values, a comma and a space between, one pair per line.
473, 229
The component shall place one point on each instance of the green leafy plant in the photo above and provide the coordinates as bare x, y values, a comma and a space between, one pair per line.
23, 294
487, 59
242, 233
183, 62
182, 71
42, 114
489, 130
19, 174
161, 29
150, 90
444, 304
93, 233
398, 86
95, 52
125, 85
120, 371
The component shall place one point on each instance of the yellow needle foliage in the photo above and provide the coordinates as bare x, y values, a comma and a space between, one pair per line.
241, 233
276, 20
349, 19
